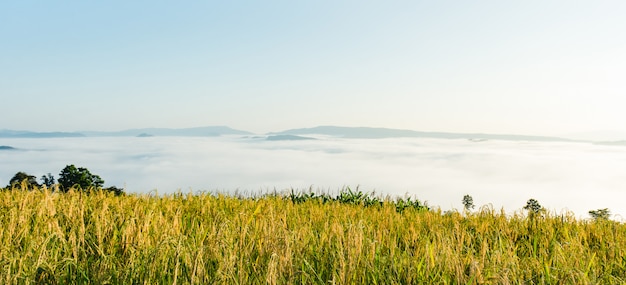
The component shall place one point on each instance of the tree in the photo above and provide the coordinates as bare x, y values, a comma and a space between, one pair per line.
80, 177
47, 180
468, 202
22, 178
115, 190
600, 214
533, 206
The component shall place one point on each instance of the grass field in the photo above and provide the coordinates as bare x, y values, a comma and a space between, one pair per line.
98, 238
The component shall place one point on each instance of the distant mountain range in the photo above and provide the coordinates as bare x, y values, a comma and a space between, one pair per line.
288, 138
148, 132
28, 134
619, 143
376, 133
212, 131
293, 134
607, 136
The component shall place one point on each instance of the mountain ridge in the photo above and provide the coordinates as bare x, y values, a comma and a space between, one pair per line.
209, 131
29, 134
336, 131
373, 133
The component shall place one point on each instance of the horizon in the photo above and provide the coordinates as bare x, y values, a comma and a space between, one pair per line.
544, 69
597, 136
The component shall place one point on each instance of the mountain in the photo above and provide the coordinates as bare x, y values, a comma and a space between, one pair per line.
620, 143
375, 133
28, 134
212, 131
294, 134
288, 138
601, 136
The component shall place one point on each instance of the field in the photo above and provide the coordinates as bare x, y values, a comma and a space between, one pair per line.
98, 238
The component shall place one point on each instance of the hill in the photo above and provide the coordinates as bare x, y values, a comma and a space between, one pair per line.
210, 131
618, 143
374, 133
29, 134
288, 138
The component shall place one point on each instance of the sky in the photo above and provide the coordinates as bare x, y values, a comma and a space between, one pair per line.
521, 67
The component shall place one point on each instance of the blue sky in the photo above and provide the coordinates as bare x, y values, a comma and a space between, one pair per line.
526, 67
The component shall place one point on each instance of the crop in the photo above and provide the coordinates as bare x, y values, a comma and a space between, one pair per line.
80, 237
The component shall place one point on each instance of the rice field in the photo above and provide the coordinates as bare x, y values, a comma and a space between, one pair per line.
293, 238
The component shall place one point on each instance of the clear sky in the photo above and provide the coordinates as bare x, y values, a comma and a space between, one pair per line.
525, 67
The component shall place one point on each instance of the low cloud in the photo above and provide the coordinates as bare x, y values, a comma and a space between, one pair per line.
563, 176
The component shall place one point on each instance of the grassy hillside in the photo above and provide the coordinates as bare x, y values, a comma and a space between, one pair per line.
53, 238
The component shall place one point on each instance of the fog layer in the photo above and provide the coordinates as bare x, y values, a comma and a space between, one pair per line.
563, 176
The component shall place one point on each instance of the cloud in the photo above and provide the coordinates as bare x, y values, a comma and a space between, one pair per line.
573, 176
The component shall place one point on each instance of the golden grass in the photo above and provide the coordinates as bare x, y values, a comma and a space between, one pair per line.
78, 238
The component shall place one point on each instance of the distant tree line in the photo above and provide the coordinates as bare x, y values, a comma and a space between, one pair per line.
535, 209
70, 177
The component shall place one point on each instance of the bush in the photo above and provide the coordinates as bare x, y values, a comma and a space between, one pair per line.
115, 190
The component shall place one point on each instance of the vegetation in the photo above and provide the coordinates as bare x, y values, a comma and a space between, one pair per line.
600, 214
23, 179
78, 178
468, 202
84, 237
533, 207
48, 180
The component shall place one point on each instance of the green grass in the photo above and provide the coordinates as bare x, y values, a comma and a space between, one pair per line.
78, 238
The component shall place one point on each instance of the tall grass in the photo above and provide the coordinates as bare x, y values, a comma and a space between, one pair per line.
78, 238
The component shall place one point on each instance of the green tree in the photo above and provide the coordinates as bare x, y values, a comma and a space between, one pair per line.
115, 190
80, 177
468, 202
533, 206
600, 214
22, 178
48, 180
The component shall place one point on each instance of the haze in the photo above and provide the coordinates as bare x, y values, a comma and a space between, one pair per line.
534, 68
563, 176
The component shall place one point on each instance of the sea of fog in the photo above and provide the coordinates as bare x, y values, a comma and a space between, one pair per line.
562, 176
